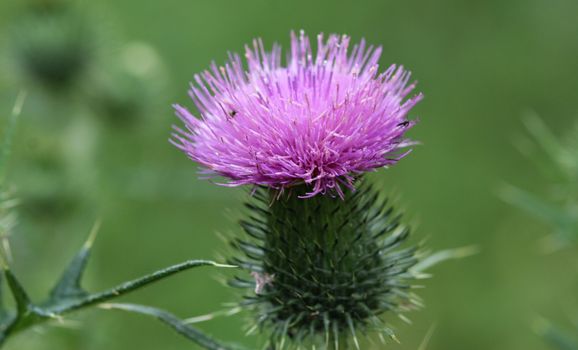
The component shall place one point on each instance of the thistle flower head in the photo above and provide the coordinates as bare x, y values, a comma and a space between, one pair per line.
321, 119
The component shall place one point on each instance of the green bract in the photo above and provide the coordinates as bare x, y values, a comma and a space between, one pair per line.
323, 267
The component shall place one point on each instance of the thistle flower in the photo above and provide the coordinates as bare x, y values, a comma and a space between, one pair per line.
318, 270
321, 119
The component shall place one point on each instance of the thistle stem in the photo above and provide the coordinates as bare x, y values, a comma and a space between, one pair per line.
130, 286
29, 314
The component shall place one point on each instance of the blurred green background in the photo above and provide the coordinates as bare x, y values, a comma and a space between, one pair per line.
95, 146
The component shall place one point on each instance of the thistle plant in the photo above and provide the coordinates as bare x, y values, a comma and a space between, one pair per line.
324, 256
323, 252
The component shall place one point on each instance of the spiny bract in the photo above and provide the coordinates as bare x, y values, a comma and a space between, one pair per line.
321, 119
324, 268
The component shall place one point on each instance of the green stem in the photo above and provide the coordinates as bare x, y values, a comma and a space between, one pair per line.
127, 287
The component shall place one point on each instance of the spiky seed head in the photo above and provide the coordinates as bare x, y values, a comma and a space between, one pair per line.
321, 269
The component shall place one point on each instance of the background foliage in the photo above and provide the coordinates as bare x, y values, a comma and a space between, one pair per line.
482, 66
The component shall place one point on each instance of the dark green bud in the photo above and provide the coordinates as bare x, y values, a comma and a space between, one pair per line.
324, 268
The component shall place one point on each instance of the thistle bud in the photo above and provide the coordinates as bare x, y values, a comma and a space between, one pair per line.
324, 268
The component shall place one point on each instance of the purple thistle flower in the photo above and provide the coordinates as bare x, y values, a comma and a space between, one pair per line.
322, 119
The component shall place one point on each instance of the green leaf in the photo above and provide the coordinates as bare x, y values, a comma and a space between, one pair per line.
29, 314
23, 304
177, 324
70, 283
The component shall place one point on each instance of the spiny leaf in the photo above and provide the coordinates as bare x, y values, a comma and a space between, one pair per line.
28, 314
69, 285
177, 324
21, 298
